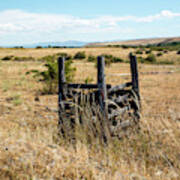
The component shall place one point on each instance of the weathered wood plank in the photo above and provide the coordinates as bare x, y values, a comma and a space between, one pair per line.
119, 87
117, 112
134, 73
101, 83
61, 77
85, 86
120, 99
126, 124
103, 96
61, 88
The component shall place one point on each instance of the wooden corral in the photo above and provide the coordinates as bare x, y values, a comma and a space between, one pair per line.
115, 108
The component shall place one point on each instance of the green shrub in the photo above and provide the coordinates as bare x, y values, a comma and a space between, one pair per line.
111, 59
148, 51
151, 58
139, 52
49, 77
7, 58
124, 46
80, 55
117, 59
165, 62
141, 59
55, 57
159, 54
108, 59
39, 47
88, 80
16, 100
116, 46
18, 47
160, 49
48, 58
178, 52
91, 58
23, 58
67, 56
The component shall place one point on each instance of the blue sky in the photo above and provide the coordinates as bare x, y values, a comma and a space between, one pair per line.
32, 21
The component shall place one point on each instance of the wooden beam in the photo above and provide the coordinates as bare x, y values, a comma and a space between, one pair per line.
102, 89
118, 112
85, 86
120, 99
101, 82
62, 78
119, 87
61, 86
134, 74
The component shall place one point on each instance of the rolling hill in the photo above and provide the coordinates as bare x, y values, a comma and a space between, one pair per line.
138, 42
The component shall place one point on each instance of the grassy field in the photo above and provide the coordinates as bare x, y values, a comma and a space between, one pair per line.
170, 56
29, 148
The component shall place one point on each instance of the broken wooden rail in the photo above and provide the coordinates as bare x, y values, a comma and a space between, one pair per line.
103, 92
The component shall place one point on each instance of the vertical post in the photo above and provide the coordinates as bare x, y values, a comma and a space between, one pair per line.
134, 74
102, 82
61, 85
103, 96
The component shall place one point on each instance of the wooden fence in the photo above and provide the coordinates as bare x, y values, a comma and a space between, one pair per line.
104, 91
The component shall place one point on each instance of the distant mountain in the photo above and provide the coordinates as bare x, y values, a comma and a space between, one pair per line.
61, 44
135, 42
138, 42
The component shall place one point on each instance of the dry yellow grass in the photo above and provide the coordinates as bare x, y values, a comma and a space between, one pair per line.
36, 53
28, 129
139, 41
95, 51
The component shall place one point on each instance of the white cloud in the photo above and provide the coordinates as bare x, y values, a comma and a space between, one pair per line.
18, 22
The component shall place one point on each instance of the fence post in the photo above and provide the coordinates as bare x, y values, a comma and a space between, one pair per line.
102, 82
61, 85
103, 95
134, 74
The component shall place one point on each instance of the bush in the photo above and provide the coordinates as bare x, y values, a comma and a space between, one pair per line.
139, 52
151, 58
117, 59
91, 58
141, 59
124, 46
38, 47
19, 47
108, 59
111, 59
178, 52
48, 58
159, 54
148, 51
160, 49
50, 76
23, 58
80, 55
88, 80
167, 62
55, 57
7, 58
67, 56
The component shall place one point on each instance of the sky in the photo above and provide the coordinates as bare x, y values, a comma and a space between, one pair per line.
33, 21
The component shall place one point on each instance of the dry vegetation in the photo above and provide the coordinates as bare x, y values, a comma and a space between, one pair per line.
170, 56
30, 148
139, 41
